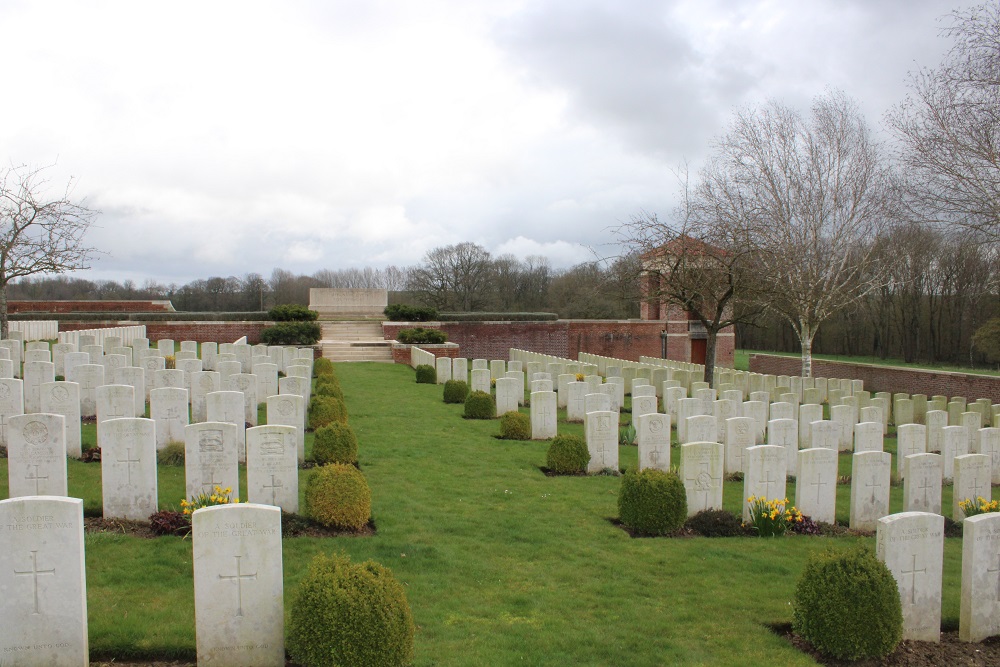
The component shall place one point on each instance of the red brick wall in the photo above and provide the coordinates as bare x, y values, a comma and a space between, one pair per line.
561, 338
88, 306
401, 352
203, 332
887, 378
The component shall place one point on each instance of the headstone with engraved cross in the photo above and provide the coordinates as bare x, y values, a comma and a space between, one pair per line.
239, 616
36, 455
601, 431
272, 467
701, 470
870, 475
89, 377
910, 439
63, 398
288, 410
211, 458
36, 373
911, 544
653, 439
135, 377
543, 415
227, 406
980, 607
115, 401
972, 481
922, 483
784, 433
128, 468
168, 407
740, 435
764, 473
816, 484
44, 604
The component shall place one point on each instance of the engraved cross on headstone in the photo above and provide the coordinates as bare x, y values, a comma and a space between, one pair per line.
819, 486
128, 461
873, 485
34, 572
997, 570
926, 484
35, 479
976, 485
238, 578
274, 486
211, 483
913, 572
767, 483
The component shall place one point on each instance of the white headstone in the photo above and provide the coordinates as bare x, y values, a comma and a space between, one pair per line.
922, 483
784, 433
442, 366
43, 579
203, 383
808, 414
700, 428
227, 406
238, 590
128, 468
35, 374
702, 473
740, 435
911, 544
211, 458
601, 431
870, 475
972, 481
246, 383
764, 474
272, 467
507, 390
653, 439
289, 410
115, 401
543, 415
480, 380
36, 455
868, 437
63, 398
816, 484
980, 607
168, 407
135, 377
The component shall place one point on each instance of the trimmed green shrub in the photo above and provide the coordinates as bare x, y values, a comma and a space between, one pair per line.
323, 367
292, 312
426, 374
455, 391
171, 455
291, 333
717, 523
397, 312
568, 455
329, 389
652, 502
847, 605
325, 410
322, 380
349, 615
337, 495
418, 335
515, 426
335, 443
480, 405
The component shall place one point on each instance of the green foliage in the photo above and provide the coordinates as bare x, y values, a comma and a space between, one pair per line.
515, 426
772, 517
335, 443
480, 405
419, 335
292, 312
652, 502
329, 389
987, 340
426, 374
717, 523
291, 333
455, 391
325, 410
401, 313
568, 455
171, 455
349, 615
323, 367
626, 435
337, 495
847, 605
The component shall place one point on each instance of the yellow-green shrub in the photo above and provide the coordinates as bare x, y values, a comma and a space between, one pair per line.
335, 443
480, 405
515, 426
322, 366
652, 502
325, 410
567, 455
337, 495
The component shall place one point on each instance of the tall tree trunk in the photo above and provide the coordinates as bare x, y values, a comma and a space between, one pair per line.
710, 358
3, 308
806, 334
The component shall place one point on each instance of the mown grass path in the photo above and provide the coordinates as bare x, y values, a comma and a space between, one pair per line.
502, 565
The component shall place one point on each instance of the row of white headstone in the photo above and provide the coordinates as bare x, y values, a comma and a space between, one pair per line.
238, 584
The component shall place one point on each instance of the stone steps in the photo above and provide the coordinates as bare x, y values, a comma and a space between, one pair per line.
355, 341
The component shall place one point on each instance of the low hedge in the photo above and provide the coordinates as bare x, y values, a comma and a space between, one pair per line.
497, 317
398, 312
419, 335
291, 333
292, 312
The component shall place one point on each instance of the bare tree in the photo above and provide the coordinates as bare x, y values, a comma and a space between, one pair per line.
700, 261
949, 127
811, 196
38, 234
455, 277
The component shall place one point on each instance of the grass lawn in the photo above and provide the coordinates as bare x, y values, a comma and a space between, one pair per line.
501, 564
741, 362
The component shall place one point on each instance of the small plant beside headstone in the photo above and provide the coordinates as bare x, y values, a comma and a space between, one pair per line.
652, 502
480, 405
771, 518
335, 443
455, 391
567, 455
979, 506
337, 495
515, 426
426, 374
325, 410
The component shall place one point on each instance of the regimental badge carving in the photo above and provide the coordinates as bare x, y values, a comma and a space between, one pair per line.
36, 432
210, 440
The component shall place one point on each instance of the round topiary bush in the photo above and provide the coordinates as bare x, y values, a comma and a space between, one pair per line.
847, 605
322, 366
337, 495
329, 389
325, 410
426, 374
455, 391
515, 426
652, 502
480, 405
568, 455
349, 615
335, 443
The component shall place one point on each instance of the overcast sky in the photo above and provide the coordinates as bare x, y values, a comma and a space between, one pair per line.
222, 138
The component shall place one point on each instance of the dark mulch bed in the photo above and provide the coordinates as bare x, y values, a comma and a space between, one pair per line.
292, 525
951, 651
